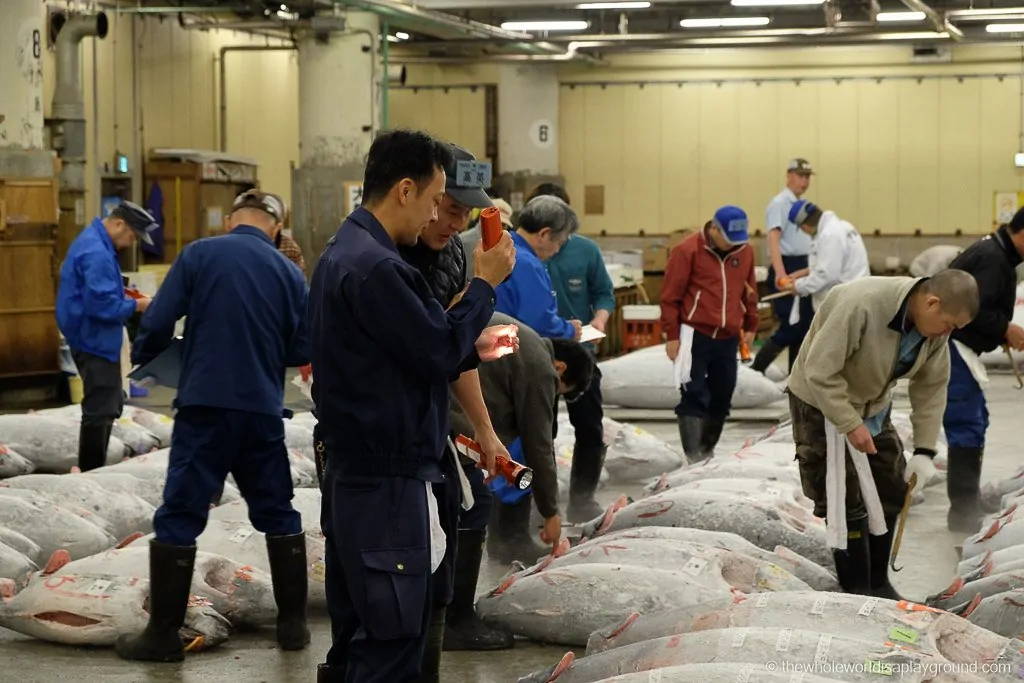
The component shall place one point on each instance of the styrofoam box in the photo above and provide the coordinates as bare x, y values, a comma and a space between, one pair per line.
641, 312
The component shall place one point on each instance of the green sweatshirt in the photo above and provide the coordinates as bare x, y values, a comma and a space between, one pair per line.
581, 281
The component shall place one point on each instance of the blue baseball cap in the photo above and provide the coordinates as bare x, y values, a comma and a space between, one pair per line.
732, 221
799, 212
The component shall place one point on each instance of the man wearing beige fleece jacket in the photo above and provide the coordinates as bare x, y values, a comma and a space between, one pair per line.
867, 334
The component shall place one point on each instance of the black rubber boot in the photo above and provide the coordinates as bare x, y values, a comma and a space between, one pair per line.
853, 565
430, 666
327, 673
287, 556
711, 432
690, 432
583, 481
766, 356
170, 581
463, 629
510, 538
92, 446
880, 552
962, 485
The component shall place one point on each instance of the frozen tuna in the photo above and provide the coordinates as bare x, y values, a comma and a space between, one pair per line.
50, 444
152, 469
788, 494
991, 562
725, 469
719, 672
765, 523
95, 609
242, 593
12, 464
305, 501
634, 454
14, 565
121, 513
713, 568
50, 526
136, 438
565, 606
961, 592
239, 541
999, 536
157, 424
643, 379
1001, 613
814, 575
930, 630
21, 543
847, 656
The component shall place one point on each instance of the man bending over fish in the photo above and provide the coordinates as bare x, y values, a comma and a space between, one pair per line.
868, 334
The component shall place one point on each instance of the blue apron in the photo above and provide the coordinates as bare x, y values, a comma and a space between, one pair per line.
504, 491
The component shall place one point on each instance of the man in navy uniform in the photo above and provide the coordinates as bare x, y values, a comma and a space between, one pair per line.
383, 352
993, 262
246, 308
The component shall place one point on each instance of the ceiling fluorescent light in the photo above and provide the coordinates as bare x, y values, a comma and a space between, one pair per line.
546, 25
913, 35
774, 3
724, 22
1005, 28
899, 16
980, 13
613, 5
401, 35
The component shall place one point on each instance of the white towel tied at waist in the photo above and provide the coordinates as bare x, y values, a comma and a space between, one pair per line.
684, 359
973, 364
794, 313
835, 487
438, 541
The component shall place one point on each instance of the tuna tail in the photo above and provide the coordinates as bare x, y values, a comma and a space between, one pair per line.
57, 560
7, 589
552, 673
966, 608
661, 484
948, 594
981, 571
599, 639
992, 531
598, 526
129, 539
561, 549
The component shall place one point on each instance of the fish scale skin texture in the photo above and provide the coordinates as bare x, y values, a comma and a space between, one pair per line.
715, 673
51, 527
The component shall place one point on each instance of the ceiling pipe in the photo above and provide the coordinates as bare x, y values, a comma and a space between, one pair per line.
940, 23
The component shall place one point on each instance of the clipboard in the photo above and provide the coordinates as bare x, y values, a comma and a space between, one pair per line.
165, 369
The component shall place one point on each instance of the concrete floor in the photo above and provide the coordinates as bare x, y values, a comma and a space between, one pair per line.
928, 558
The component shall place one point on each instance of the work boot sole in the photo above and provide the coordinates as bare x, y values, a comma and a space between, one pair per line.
149, 648
473, 634
292, 635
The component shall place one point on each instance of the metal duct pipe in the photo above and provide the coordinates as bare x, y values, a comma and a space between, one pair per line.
68, 117
939, 22
396, 74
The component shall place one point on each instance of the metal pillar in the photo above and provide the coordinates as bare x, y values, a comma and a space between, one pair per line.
339, 113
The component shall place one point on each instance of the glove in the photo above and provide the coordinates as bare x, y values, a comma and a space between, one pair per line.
921, 465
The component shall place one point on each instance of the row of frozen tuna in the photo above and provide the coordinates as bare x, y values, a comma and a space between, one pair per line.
644, 379
989, 587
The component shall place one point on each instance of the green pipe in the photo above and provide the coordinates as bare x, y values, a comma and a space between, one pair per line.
386, 83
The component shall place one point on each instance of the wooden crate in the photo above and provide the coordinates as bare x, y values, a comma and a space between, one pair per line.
29, 339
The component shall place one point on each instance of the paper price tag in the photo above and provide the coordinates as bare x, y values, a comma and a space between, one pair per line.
867, 607
739, 637
773, 493
903, 634
97, 587
746, 674
762, 600
797, 678
695, 566
821, 653
782, 642
240, 536
819, 605
654, 676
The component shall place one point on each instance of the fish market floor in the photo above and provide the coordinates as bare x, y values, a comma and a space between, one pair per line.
928, 559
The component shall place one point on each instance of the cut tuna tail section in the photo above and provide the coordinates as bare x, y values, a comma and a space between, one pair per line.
561, 549
965, 609
129, 539
551, 674
57, 560
7, 589
596, 527
661, 484
992, 531
598, 640
953, 589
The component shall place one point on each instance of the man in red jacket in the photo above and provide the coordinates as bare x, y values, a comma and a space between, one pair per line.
709, 298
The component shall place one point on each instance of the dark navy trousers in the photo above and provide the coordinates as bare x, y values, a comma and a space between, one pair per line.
209, 443
713, 371
788, 336
966, 416
378, 579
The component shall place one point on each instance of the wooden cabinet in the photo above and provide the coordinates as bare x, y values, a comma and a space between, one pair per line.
29, 339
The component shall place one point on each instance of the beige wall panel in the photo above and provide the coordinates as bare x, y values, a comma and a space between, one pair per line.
409, 109
681, 181
960, 107
572, 134
836, 185
260, 124
800, 111
604, 118
641, 154
457, 115
878, 155
720, 152
999, 139
918, 156
758, 171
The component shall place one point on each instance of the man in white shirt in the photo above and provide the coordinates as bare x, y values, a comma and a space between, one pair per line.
787, 253
837, 254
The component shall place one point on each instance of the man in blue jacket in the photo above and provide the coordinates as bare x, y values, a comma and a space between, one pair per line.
91, 312
384, 351
246, 308
584, 292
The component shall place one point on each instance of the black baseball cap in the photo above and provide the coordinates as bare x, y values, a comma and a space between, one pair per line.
467, 179
136, 218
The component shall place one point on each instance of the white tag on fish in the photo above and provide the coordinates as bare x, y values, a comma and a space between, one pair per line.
819, 605
97, 587
762, 599
746, 674
773, 493
782, 642
868, 605
739, 637
694, 566
821, 654
797, 678
240, 536
654, 676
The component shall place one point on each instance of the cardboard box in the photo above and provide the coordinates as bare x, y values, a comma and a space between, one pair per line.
655, 258
677, 236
